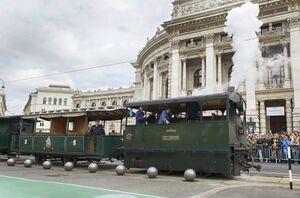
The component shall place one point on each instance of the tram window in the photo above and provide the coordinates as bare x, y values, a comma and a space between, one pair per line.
71, 126
212, 115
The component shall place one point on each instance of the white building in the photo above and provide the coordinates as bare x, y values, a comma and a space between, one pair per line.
54, 97
105, 98
3, 107
192, 51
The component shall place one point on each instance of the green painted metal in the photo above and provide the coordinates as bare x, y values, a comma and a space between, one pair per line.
8, 127
203, 146
75, 144
179, 136
106, 146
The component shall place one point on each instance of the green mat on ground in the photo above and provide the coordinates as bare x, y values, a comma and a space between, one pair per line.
22, 188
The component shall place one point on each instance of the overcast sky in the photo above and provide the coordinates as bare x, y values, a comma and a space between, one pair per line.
39, 37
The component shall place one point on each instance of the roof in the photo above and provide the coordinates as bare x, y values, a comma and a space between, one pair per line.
213, 101
91, 113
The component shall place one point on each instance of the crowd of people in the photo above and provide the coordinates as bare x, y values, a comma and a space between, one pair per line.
273, 147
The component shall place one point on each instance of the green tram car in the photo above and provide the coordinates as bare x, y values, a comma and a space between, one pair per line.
8, 127
206, 133
69, 137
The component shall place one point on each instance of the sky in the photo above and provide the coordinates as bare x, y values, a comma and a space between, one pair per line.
40, 37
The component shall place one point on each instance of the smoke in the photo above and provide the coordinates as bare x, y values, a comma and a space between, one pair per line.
243, 25
274, 64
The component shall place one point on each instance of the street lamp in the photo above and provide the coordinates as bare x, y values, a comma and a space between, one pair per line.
3, 87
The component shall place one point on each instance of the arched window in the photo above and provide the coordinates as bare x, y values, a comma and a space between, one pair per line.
60, 101
198, 78
49, 101
103, 104
44, 100
114, 103
77, 105
65, 101
125, 102
93, 104
55, 101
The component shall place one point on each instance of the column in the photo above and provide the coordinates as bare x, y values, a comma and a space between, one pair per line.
289, 115
220, 88
203, 71
145, 85
160, 82
251, 99
263, 126
286, 66
175, 70
155, 80
210, 65
183, 88
295, 60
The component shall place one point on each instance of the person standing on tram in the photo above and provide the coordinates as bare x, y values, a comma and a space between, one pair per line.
140, 117
96, 130
165, 116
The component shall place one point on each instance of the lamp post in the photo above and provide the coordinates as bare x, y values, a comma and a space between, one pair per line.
3, 87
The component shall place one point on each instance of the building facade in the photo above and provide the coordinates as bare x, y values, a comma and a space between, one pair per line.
192, 52
53, 97
106, 98
3, 107
103, 98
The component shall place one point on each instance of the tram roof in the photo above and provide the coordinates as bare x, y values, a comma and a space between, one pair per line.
153, 104
91, 113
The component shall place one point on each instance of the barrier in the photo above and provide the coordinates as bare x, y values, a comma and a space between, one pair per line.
266, 153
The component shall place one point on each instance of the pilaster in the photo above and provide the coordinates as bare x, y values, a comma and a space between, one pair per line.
210, 64
175, 70
263, 125
295, 64
289, 115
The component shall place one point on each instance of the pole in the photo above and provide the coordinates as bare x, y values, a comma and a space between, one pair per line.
290, 168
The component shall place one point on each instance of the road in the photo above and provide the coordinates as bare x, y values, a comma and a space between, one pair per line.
16, 182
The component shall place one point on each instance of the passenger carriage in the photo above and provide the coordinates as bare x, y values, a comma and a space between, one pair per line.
206, 133
69, 137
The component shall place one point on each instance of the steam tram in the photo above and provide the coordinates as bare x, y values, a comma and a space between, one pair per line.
206, 133
68, 138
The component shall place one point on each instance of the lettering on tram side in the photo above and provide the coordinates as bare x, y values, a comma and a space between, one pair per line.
170, 138
171, 130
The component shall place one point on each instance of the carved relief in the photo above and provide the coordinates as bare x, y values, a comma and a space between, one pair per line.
199, 6
175, 45
294, 22
209, 38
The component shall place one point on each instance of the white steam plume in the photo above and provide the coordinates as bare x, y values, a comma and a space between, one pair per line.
243, 25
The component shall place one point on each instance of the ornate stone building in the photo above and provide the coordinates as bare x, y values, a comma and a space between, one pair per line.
103, 98
53, 97
193, 52
110, 98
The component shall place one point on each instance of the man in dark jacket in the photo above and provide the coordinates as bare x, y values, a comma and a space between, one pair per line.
140, 117
96, 129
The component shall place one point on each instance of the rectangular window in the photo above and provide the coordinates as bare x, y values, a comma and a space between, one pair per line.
44, 100
60, 101
65, 101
